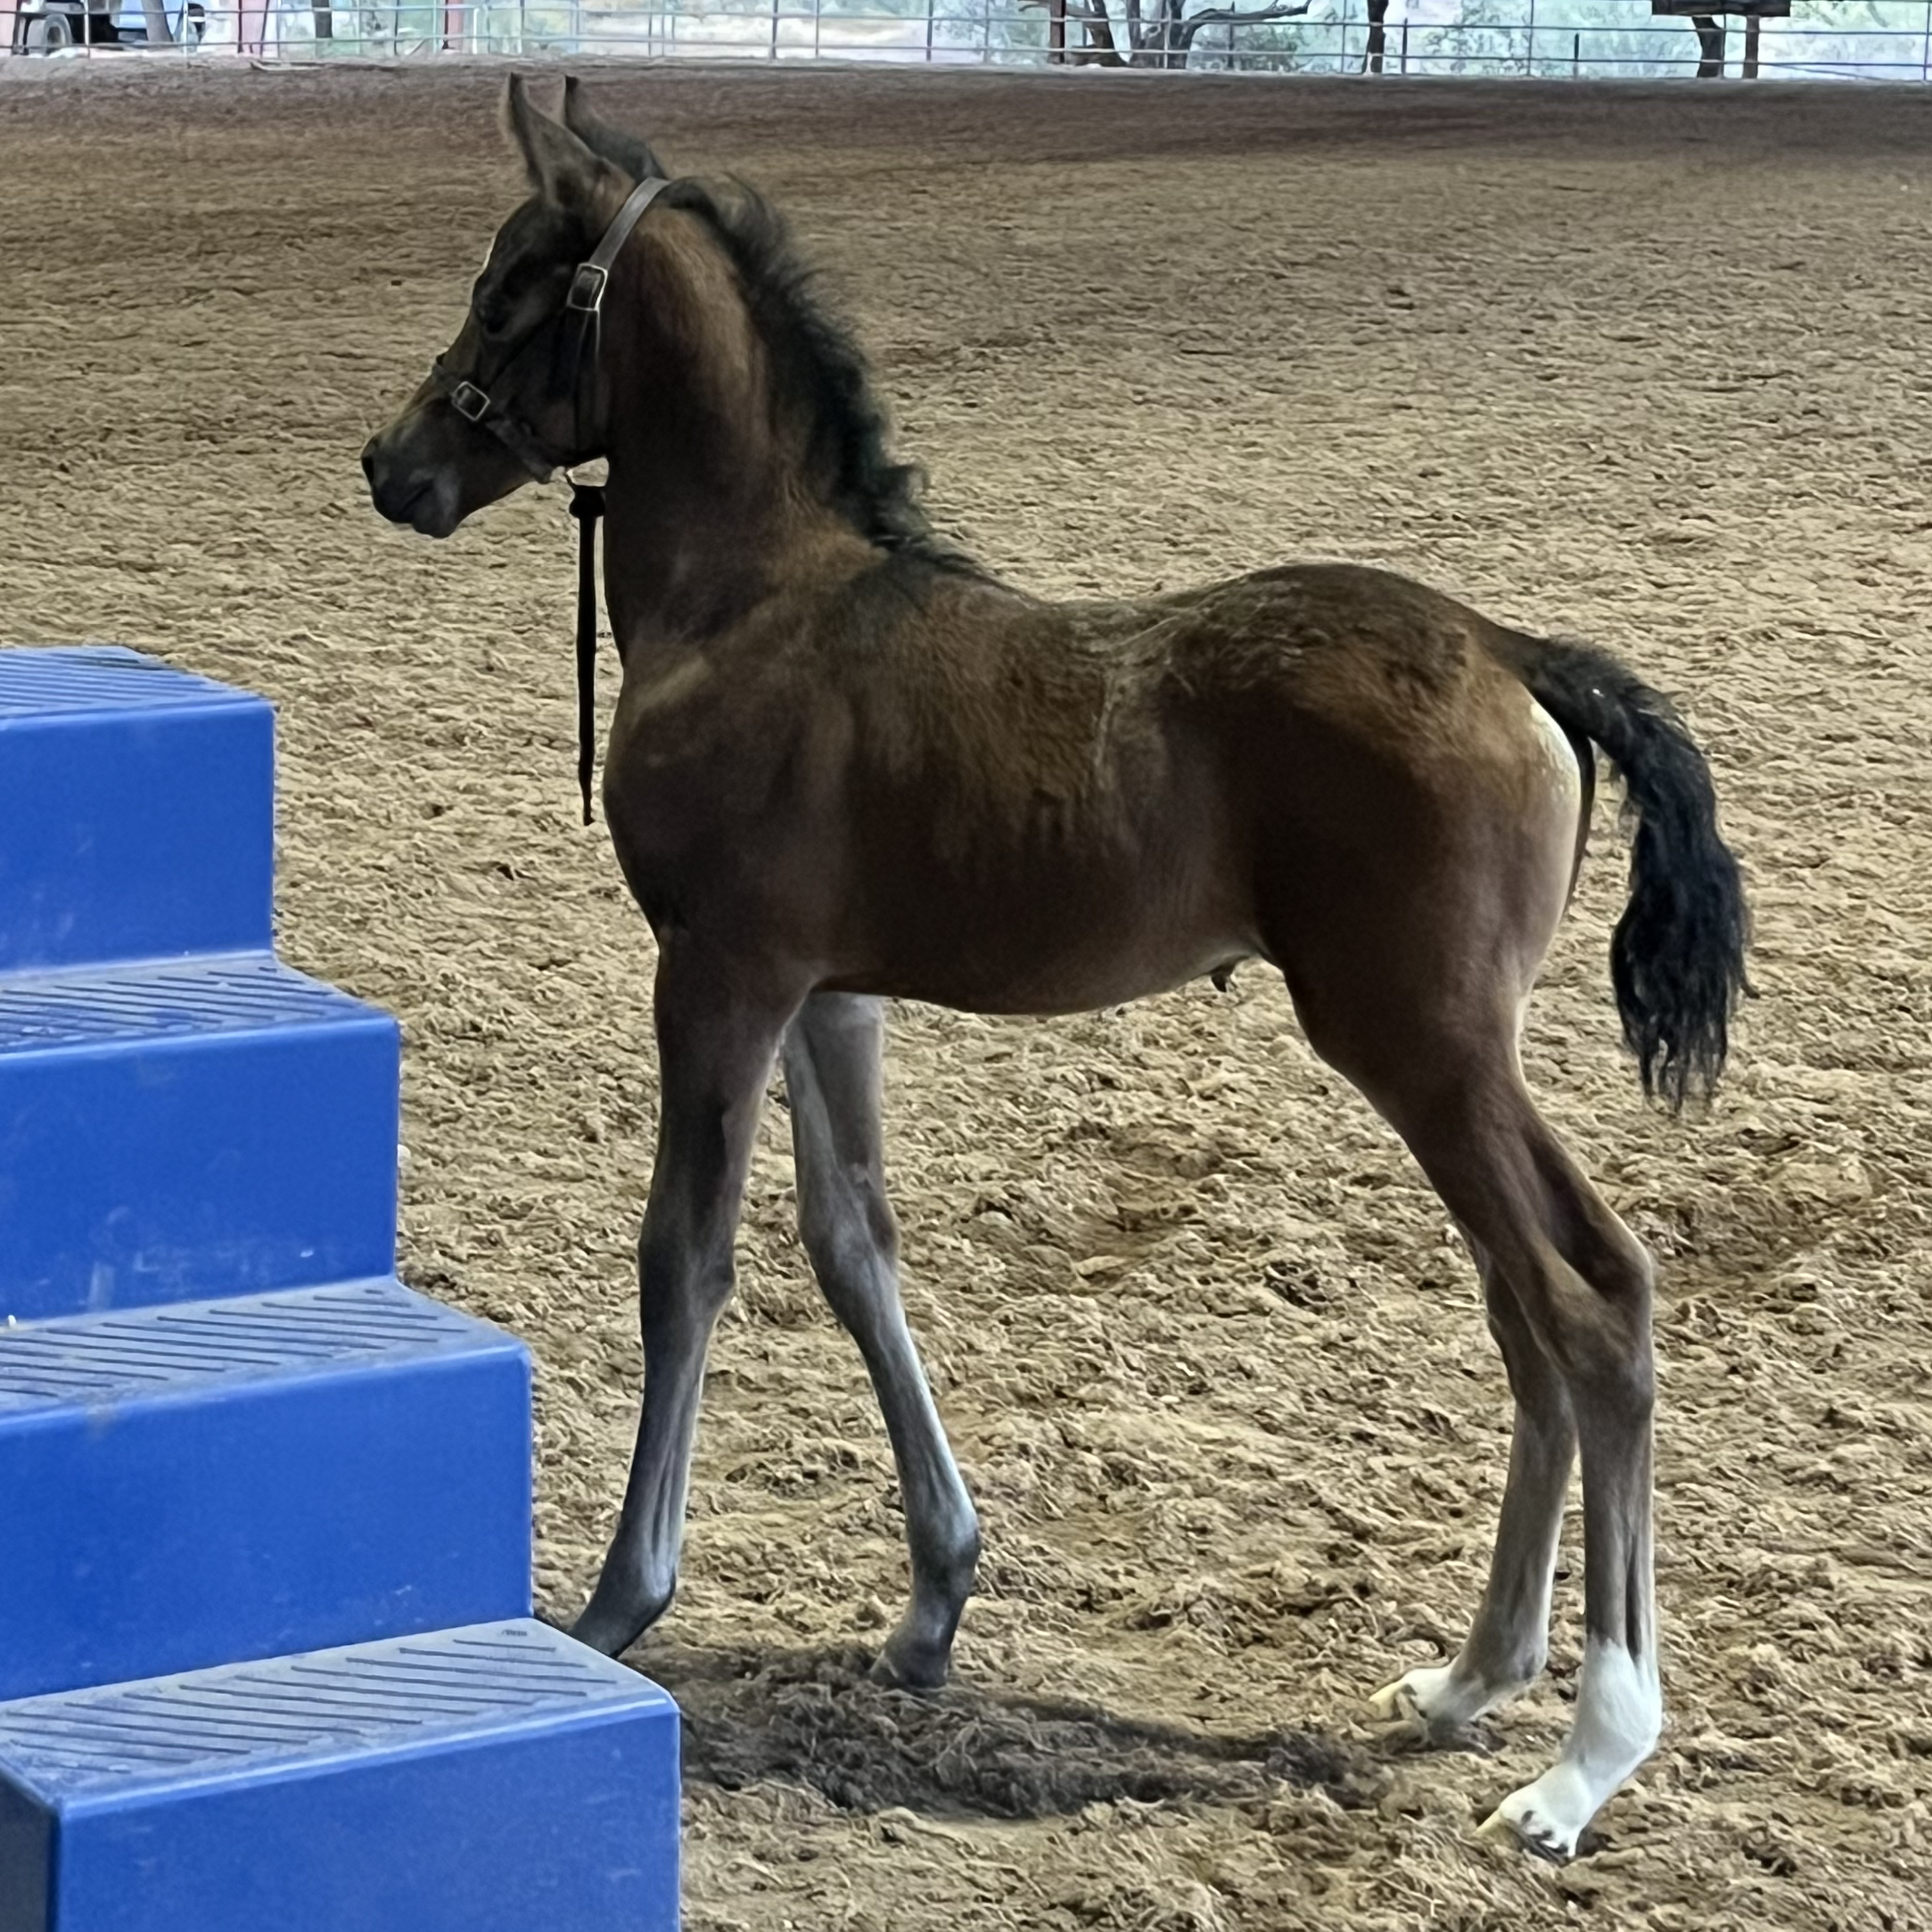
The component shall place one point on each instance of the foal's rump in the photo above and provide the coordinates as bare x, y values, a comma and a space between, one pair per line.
1416, 814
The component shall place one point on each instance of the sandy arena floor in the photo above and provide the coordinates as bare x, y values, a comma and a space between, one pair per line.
1646, 364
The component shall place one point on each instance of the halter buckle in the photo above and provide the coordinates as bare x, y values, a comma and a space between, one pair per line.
469, 402
586, 289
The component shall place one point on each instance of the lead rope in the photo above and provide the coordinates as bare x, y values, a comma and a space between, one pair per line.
586, 505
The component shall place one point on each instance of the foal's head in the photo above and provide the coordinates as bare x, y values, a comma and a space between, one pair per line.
730, 402
514, 395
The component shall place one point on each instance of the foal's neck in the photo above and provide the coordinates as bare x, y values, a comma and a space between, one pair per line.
711, 506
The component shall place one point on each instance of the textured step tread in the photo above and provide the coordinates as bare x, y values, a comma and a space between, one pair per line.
329, 1703
181, 1346
208, 1482
62, 680
179, 1130
225, 993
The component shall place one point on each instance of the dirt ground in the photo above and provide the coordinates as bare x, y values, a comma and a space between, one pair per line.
1645, 364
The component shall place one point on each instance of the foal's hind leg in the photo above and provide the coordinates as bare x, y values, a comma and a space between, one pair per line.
1584, 1285
1509, 1640
832, 1076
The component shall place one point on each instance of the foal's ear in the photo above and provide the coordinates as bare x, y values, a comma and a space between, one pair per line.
623, 151
561, 167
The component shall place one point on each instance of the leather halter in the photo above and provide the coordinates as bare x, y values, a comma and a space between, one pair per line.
585, 302
474, 404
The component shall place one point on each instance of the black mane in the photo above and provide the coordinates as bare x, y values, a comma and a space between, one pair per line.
816, 350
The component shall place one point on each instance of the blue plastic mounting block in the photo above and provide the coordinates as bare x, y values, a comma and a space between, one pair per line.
173, 1131
199, 1485
137, 810
498, 1778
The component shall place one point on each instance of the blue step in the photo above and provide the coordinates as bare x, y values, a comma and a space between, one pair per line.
207, 1483
178, 1130
497, 1778
137, 810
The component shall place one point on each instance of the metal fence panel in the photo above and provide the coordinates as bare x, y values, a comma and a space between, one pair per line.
1597, 40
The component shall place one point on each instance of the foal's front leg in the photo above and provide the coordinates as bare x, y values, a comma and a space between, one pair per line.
717, 1033
832, 1076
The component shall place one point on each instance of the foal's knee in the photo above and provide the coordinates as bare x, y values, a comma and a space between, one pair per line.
679, 1282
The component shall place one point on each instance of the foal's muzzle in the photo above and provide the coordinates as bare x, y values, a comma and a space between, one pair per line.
419, 496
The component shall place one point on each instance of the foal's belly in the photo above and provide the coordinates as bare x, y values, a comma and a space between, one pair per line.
1062, 946
1081, 986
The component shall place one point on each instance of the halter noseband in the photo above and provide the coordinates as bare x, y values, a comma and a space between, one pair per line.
584, 302
474, 405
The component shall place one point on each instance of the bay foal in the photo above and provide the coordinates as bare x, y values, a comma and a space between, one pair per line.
848, 764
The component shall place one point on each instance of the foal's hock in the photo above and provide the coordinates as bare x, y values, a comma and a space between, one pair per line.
849, 763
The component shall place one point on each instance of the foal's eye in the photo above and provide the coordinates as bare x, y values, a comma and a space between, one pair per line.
493, 314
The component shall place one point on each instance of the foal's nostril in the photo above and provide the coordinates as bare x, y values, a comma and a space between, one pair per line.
368, 461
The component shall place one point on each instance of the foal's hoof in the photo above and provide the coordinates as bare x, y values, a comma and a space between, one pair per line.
1420, 1700
1394, 1705
600, 1633
1443, 1700
611, 1628
905, 1664
1546, 1818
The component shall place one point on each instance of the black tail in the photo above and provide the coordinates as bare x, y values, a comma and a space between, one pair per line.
1677, 957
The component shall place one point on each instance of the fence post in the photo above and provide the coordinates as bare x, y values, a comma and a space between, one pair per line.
1529, 55
1925, 46
929, 5
1405, 47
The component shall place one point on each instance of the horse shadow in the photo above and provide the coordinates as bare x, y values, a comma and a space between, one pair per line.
813, 1717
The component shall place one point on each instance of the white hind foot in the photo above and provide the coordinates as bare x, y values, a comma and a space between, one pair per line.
1547, 1817
1619, 1715
1442, 1698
